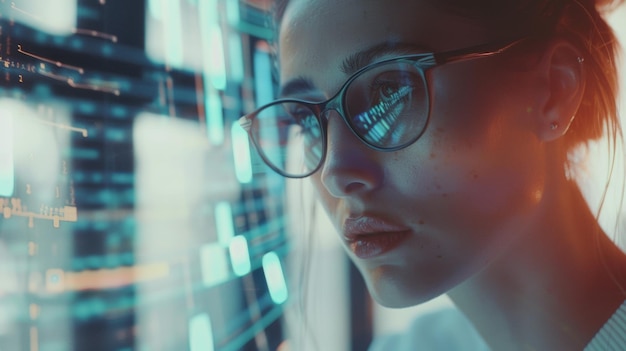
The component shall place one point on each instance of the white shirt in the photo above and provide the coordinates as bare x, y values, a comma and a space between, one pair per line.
448, 329
612, 336
441, 330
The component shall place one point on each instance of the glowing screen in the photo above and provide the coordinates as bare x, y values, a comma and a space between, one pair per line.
133, 215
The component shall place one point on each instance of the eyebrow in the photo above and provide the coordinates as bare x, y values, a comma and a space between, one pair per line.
297, 85
360, 59
354, 63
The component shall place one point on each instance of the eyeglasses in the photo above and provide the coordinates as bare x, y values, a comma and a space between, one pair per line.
385, 104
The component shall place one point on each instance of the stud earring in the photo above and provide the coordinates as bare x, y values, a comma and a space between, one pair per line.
554, 125
580, 59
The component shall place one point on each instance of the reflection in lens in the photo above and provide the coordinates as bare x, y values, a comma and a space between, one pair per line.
388, 105
289, 137
379, 122
312, 141
268, 126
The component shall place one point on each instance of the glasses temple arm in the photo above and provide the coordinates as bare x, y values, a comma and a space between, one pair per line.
245, 123
475, 52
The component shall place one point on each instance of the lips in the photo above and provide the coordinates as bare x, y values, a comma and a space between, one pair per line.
368, 237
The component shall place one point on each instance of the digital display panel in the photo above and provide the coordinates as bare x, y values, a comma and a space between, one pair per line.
133, 215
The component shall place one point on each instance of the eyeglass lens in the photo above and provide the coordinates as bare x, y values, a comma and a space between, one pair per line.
386, 106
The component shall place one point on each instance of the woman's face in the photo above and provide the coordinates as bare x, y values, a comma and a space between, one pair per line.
418, 221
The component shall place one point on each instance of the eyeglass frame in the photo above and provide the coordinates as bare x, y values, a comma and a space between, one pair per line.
421, 61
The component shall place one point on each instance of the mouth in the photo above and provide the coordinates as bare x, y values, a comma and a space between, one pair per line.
369, 237
372, 245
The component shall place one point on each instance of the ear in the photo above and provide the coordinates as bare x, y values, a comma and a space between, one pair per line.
562, 71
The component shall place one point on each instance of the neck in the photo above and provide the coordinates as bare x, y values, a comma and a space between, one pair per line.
554, 288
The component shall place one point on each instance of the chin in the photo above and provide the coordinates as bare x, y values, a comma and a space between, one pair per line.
399, 300
394, 293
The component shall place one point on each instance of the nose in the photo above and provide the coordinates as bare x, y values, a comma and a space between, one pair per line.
350, 167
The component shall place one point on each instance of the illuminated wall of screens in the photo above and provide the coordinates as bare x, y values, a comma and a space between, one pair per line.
133, 215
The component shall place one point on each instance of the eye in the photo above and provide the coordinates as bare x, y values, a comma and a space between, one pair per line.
387, 107
302, 115
392, 87
386, 90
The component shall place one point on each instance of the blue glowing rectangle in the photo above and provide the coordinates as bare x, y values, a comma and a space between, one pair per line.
201, 333
214, 116
173, 33
240, 256
7, 163
241, 154
224, 223
275, 278
263, 83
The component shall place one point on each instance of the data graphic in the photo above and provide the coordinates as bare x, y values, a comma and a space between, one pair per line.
133, 215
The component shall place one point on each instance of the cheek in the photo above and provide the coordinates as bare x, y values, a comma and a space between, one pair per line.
474, 173
328, 202
480, 146
479, 97
479, 156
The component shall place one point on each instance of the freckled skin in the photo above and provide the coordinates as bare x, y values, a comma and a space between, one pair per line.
494, 221
457, 220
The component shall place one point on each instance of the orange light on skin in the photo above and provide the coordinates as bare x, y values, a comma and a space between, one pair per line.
538, 195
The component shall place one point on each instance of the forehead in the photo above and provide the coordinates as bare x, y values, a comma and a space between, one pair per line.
316, 36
